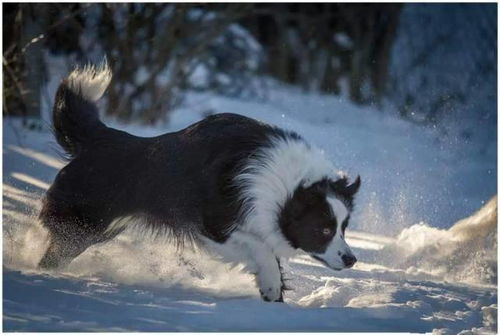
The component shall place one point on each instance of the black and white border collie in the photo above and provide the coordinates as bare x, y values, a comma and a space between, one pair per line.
250, 191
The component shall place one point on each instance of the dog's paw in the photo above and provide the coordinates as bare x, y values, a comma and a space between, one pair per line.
270, 287
272, 295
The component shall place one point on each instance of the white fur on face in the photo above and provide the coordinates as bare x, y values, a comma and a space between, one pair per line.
269, 179
339, 209
337, 247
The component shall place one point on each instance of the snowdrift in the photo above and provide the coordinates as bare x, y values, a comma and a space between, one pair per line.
466, 252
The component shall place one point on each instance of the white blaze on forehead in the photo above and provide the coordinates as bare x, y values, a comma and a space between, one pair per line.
339, 209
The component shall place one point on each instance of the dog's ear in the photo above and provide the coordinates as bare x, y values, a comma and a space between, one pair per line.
342, 188
354, 187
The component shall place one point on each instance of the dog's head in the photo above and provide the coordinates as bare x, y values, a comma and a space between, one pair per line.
315, 218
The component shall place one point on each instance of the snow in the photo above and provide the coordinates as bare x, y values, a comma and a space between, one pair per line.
419, 269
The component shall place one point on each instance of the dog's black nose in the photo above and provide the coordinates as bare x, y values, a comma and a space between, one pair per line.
349, 260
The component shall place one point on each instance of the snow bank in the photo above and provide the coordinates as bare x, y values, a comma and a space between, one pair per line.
466, 252
348, 293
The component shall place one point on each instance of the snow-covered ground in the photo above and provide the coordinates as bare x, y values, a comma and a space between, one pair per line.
418, 269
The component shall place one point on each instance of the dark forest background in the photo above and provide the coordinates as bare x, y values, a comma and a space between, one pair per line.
431, 63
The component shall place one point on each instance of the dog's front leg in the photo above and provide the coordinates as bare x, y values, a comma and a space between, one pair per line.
269, 280
260, 260
258, 257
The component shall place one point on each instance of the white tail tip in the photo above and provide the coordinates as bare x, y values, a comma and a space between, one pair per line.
91, 81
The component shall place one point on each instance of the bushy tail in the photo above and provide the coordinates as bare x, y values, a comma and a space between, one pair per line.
75, 114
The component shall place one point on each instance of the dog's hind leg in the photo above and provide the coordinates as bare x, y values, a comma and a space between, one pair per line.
58, 254
63, 248
71, 233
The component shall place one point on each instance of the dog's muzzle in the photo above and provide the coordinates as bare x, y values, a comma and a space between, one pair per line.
348, 259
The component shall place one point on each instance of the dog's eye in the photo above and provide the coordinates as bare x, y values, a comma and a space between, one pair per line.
327, 231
